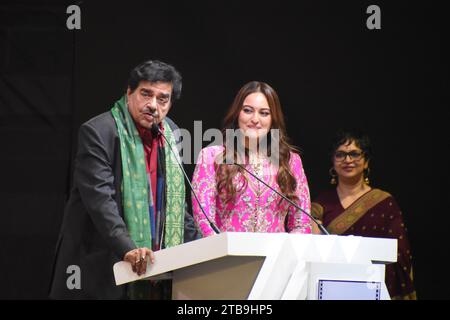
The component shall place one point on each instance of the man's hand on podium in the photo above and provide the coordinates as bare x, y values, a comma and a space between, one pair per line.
138, 259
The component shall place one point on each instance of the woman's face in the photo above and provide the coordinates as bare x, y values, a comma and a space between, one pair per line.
349, 162
255, 119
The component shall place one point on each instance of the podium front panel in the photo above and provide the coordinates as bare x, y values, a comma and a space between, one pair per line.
229, 277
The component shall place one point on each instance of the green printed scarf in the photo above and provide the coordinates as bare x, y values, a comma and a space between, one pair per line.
135, 187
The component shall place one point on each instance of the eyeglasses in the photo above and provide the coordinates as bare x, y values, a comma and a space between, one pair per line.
354, 155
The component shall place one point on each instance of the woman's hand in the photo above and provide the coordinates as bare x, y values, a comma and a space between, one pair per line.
315, 228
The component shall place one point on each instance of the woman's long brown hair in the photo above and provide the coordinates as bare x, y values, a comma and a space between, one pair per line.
226, 173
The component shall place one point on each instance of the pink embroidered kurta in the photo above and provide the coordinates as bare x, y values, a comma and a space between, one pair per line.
255, 208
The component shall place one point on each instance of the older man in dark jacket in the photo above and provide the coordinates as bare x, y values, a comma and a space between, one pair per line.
128, 195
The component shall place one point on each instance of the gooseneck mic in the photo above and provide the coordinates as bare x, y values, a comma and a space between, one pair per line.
155, 129
321, 227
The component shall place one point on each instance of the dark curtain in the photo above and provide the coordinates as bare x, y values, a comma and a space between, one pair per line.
36, 112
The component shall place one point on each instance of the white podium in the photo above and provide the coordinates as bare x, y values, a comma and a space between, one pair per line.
259, 266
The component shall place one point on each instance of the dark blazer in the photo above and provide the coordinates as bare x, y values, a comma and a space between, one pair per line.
93, 233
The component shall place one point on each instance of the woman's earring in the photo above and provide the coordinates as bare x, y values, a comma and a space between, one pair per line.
333, 175
366, 176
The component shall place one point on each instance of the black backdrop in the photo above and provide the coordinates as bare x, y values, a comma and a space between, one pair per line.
328, 68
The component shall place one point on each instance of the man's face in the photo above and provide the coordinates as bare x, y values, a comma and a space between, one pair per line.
149, 102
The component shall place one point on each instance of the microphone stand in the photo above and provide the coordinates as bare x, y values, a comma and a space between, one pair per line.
155, 128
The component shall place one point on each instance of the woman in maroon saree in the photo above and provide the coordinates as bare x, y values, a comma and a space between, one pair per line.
354, 208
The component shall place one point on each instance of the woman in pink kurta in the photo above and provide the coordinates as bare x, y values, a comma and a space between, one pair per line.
233, 199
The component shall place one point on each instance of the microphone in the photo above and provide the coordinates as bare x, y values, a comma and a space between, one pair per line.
155, 130
321, 227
